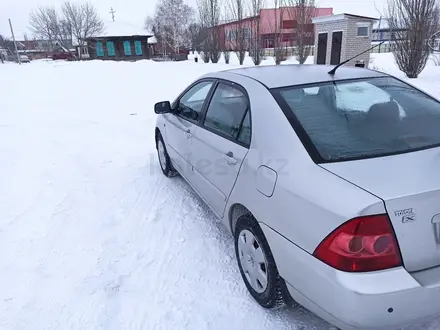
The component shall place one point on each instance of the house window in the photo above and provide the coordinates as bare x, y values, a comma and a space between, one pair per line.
99, 49
110, 48
138, 47
233, 35
268, 43
228, 35
362, 31
127, 48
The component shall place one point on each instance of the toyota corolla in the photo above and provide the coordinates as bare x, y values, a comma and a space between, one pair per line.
329, 182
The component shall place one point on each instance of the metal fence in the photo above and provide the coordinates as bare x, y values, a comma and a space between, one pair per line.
287, 51
384, 48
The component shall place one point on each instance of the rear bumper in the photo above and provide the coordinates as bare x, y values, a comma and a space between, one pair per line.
376, 300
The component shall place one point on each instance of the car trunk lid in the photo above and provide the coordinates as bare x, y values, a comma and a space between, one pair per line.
409, 185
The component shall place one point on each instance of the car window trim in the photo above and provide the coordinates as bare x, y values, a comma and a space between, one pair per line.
297, 127
304, 137
219, 133
173, 105
241, 123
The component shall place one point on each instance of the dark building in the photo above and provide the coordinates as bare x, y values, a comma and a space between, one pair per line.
120, 42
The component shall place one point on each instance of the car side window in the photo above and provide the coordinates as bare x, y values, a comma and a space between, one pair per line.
227, 113
191, 103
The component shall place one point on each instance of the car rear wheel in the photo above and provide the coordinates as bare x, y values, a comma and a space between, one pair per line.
164, 159
256, 263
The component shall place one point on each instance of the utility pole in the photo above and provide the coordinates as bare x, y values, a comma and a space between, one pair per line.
15, 43
113, 13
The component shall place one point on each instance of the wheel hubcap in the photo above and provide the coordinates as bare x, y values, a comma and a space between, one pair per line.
252, 261
161, 153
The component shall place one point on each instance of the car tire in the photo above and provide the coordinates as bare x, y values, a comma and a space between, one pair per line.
164, 159
254, 256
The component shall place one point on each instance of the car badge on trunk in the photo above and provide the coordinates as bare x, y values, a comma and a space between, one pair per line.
406, 215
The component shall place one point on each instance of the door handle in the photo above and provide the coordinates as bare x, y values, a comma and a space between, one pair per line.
188, 134
229, 158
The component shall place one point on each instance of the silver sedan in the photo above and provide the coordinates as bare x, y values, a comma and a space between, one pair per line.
329, 182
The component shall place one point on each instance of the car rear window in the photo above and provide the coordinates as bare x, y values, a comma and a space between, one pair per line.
357, 119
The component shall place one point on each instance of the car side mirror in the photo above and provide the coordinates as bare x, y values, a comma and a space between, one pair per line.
162, 107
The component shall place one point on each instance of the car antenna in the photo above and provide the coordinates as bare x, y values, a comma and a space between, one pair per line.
332, 71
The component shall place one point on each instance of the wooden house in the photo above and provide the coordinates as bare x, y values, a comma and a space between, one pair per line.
120, 42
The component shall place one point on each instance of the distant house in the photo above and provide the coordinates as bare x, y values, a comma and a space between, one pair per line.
266, 22
120, 42
40, 48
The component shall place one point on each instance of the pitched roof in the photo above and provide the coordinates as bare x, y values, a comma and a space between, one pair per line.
330, 18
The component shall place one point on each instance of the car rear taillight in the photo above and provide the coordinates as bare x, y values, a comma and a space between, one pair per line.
362, 244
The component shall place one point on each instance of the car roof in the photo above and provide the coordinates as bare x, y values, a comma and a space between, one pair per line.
275, 76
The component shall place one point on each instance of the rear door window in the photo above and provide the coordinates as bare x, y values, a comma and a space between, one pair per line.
228, 114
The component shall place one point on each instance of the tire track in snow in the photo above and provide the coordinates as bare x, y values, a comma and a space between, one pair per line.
141, 208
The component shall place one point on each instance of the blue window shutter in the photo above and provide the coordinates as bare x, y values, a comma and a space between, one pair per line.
110, 48
99, 49
127, 48
138, 47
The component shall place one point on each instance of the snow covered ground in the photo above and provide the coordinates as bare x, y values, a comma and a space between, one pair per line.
92, 235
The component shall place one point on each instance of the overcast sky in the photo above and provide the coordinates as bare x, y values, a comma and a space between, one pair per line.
135, 11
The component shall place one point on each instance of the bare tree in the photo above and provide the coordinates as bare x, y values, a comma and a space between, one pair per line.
3, 42
255, 49
195, 35
2, 45
241, 30
203, 9
157, 30
41, 24
61, 29
47, 24
301, 13
227, 56
412, 23
436, 59
75, 20
170, 23
83, 20
276, 27
209, 11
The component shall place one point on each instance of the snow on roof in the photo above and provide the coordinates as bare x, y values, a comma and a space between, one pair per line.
123, 29
333, 17
152, 40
